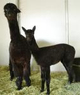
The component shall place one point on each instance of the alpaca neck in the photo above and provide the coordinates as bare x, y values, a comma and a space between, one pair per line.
35, 50
34, 47
14, 30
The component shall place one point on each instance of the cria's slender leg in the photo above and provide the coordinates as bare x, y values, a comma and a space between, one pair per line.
43, 78
11, 70
71, 75
70, 72
48, 80
19, 82
26, 74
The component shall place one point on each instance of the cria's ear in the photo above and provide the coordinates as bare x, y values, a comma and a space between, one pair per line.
34, 28
24, 29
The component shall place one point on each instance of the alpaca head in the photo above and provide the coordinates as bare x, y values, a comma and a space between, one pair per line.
11, 11
29, 33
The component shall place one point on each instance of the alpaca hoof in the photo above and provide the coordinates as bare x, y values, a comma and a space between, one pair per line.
19, 88
11, 78
41, 90
48, 93
29, 84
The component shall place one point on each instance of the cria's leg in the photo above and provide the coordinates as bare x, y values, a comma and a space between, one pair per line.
71, 74
11, 70
19, 82
26, 74
43, 78
48, 80
68, 67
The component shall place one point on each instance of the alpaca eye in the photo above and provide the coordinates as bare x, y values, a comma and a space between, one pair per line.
14, 9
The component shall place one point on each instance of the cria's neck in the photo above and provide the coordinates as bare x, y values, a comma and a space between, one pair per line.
33, 46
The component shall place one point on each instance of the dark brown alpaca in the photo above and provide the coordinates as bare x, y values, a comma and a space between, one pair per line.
19, 52
47, 56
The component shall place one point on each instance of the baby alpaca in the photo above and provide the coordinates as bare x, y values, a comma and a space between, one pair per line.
47, 56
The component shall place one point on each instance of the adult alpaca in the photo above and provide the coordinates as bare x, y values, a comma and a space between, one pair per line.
47, 56
19, 52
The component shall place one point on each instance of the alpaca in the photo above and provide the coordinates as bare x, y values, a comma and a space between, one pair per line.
19, 53
47, 56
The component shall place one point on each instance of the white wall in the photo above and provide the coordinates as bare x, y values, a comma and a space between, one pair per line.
74, 25
4, 34
48, 16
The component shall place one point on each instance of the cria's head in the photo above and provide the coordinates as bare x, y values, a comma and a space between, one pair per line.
11, 11
29, 33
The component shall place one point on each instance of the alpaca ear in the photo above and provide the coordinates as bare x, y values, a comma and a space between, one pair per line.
24, 29
18, 11
34, 28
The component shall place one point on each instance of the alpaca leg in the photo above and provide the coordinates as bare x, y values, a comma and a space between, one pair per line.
68, 67
48, 80
29, 68
26, 74
18, 72
43, 78
11, 70
19, 82
71, 74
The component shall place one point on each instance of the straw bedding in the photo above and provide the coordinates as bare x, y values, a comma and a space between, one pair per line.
58, 86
